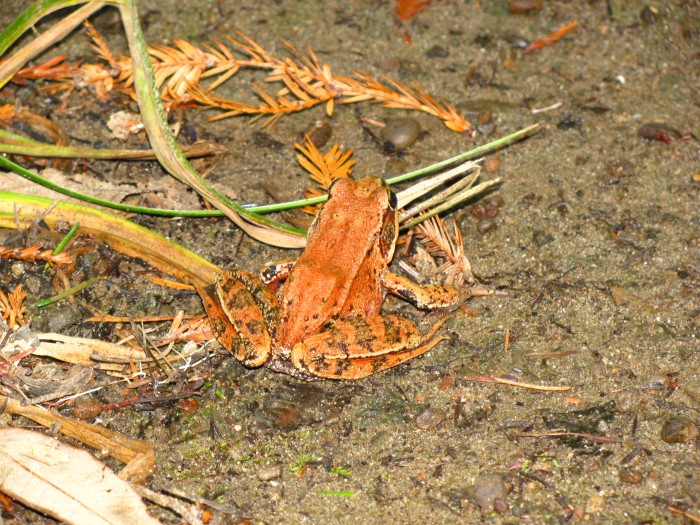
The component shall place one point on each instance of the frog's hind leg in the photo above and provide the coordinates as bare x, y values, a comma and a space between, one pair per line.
361, 346
243, 313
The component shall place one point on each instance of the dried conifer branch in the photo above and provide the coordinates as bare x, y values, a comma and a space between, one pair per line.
7, 113
404, 97
179, 71
12, 307
323, 168
34, 253
441, 243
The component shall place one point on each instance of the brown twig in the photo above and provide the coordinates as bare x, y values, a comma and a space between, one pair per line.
596, 438
180, 70
503, 381
552, 37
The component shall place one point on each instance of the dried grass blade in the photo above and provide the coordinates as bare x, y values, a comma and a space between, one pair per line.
27, 19
455, 200
408, 195
169, 154
138, 455
124, 236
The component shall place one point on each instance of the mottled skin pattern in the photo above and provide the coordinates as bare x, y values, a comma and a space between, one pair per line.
327, 322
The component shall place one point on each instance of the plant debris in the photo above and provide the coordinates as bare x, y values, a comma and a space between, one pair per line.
179, 71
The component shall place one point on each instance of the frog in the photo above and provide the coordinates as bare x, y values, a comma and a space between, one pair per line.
326, 320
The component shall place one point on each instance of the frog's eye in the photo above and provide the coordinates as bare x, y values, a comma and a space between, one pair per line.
393, 200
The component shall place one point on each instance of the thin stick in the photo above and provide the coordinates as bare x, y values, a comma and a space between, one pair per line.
503, 381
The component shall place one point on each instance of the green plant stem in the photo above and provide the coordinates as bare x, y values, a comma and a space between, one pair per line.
67, 293
66, 239
476, 152
268, 208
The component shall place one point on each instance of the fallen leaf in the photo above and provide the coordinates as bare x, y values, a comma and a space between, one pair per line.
65, 482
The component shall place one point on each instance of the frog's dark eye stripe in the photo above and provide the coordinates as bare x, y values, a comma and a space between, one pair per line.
393, 201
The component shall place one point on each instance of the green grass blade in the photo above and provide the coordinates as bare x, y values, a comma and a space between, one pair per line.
29, 17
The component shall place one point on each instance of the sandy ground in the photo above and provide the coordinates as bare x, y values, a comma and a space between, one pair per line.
596, 244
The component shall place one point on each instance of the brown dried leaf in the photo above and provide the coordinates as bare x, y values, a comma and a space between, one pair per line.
65, 482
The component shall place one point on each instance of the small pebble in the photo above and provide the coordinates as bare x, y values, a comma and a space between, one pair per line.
17, 269
270, 472
62, 317
320, 134
487, 208
486, 225
630, 475
437, 52
678, 429
621, 168
648, 14
627, 402
489, 491
87, 409
658, 131
400, 133
524, 7
596, 505
430, 418
516, 41
494, 201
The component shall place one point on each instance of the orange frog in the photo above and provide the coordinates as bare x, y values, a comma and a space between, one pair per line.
328, 321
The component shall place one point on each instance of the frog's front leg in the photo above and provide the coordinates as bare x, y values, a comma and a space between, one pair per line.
244, 314
357, 347
274, 273
424, 297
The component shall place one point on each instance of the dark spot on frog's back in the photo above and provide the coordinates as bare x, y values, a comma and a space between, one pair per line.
340, 345
217, 326
377, 363
319, 363
362, 329
392, 332
256, 326
240, 300
341, 365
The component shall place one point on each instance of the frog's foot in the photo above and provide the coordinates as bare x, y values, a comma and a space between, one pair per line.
425, 297
361, 346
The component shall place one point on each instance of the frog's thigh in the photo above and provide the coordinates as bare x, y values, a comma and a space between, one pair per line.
244, 310
359, 347
425, 297
220, 324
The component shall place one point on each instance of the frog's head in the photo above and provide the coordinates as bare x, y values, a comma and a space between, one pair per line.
368, 206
